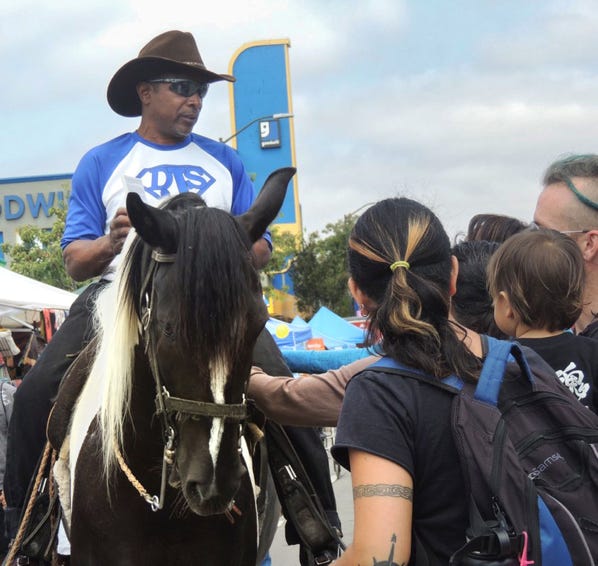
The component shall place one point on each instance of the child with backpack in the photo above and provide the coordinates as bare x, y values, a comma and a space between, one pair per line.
536, 281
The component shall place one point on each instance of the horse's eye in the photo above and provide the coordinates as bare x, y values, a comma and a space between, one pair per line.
168, 330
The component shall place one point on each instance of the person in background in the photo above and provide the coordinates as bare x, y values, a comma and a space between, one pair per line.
568, 203
471, 305
493, 227
7, 392
536, 282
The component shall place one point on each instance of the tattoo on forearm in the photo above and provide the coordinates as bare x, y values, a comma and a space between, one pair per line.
384, 490
390, 561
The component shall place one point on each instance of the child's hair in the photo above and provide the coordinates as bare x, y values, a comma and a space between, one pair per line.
472, 304
542, 273
400, 257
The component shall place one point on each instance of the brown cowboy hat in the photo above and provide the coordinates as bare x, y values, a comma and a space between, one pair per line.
171, 52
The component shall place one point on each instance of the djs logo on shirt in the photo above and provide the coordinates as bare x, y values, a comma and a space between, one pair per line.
184, 178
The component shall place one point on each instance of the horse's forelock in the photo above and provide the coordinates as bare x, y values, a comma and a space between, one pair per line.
215, 281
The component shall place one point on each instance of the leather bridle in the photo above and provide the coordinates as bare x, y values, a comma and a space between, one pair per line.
168, 408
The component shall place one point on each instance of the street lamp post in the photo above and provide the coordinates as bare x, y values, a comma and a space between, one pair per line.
270, 117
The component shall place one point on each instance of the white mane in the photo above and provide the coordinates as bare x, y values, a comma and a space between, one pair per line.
118, 330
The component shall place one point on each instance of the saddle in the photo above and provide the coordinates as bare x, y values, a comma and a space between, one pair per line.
58, 426
70, 389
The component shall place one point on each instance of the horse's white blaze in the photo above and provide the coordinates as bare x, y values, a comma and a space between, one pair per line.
218, 373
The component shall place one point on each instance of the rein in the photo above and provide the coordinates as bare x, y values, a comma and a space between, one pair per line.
168, 407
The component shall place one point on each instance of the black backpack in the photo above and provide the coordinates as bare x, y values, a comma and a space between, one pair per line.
529, 453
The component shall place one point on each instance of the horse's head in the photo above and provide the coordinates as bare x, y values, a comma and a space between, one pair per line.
201, 308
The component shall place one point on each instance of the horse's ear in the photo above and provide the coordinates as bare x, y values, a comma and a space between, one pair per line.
154, 226
267, 204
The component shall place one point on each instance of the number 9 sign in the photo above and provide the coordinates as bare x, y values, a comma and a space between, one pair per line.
264, 129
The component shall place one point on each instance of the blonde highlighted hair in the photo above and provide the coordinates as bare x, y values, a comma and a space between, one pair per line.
411, 312
406, 317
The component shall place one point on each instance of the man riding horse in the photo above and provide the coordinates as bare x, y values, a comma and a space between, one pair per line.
166, 86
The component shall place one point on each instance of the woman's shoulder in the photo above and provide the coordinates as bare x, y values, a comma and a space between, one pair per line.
377, 375
399, 375
412, 388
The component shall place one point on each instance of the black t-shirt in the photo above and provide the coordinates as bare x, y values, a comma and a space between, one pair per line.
591, 330
575, 361
409, 422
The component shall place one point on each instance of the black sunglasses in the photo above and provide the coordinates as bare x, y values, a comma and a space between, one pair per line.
185, 87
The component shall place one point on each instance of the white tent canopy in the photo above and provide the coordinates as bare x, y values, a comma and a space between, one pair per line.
22, 298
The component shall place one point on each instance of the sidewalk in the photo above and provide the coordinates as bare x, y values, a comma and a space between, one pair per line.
283, 555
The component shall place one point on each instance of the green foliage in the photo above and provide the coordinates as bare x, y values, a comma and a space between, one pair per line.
39, 255
285, 247
320, 271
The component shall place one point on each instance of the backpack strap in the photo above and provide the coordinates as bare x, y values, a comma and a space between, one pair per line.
389, 365
500, 353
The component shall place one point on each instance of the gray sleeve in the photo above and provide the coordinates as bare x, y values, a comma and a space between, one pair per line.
308, 400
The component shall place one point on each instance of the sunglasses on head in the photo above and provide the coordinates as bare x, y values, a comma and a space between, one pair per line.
185, 87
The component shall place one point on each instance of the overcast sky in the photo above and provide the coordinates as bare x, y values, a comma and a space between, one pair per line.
458, 103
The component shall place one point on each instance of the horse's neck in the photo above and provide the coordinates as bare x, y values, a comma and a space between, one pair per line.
143, 433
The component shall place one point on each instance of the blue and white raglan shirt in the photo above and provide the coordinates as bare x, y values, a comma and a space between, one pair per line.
201, 165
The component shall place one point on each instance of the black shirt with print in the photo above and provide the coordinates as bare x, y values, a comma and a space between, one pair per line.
575, 361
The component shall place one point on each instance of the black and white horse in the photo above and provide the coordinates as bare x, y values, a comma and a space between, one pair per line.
159, 472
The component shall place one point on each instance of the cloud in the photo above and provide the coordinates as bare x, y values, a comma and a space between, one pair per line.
468, 142
562, 38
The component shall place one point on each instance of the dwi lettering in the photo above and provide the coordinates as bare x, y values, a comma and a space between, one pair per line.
13, 207
538, 470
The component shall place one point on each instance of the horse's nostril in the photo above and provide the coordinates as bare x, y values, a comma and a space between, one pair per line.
204, 491
195, 488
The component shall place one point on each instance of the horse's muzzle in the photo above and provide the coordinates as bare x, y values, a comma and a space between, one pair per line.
208, 500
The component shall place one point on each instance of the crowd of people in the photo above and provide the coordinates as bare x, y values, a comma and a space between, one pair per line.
428, 303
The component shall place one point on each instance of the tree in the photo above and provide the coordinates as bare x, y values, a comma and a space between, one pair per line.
285, 246
39, 255
320, 270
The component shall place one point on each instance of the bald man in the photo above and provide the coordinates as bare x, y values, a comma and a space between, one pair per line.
568, 203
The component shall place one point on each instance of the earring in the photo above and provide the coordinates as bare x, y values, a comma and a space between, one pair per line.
363, 310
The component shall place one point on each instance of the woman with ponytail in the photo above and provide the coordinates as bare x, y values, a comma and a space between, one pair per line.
394, 432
